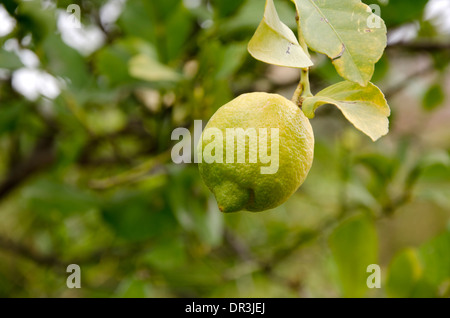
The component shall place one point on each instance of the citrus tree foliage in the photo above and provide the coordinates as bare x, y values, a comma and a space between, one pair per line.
343, 33
85, 170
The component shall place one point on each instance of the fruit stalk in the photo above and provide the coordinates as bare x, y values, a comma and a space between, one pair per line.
303, 89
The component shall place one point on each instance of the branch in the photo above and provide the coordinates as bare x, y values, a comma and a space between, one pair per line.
58, 263
42, 156
251, 264
394, 89
131, 175
241, 249
134, 128
420, 46
28, 253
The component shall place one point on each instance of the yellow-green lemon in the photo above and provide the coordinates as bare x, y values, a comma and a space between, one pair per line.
255, 152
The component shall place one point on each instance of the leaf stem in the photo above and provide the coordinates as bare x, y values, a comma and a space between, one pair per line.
304, 81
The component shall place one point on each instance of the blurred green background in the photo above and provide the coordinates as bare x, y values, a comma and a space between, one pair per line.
86, 116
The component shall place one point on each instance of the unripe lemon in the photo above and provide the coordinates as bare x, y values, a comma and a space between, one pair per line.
259, 125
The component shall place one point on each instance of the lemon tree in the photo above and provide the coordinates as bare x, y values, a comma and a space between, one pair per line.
354, 39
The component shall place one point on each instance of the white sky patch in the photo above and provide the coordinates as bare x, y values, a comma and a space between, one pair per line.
27, 57
438, 12
85, 39
7, 23
403, 33
26, 40
48, 4
207, 24
32, 83
110, 12
192, 4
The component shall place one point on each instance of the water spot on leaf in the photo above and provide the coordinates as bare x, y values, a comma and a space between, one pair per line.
288, 48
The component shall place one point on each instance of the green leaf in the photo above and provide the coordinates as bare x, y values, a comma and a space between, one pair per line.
64, 61
427, 162
146, 68
169, 253
227, 66
274, 43
10, 116
112, 62
137, 20
404, 272
435, 256
178, 29
50, 195
383, 167
365, 107
248, 16
32, 17
216, 62
137, 216
9, 60
434, 97
195, 210
166, 24
340, 29
133, 288
354, 246
420, 272
226, 8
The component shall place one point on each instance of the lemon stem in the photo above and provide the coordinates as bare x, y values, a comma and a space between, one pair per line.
303, 89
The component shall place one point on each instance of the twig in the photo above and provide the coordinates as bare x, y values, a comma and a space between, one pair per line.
130, 175
238, 246
57, 262
29, 253
420, 46
41, 157
394, 89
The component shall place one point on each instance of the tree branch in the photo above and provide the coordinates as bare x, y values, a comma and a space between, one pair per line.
28, 253
420, 46
58, 263
42, 156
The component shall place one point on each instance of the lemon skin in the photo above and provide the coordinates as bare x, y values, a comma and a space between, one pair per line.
242, 186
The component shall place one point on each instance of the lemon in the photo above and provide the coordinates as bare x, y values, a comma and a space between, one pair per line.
258, 125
